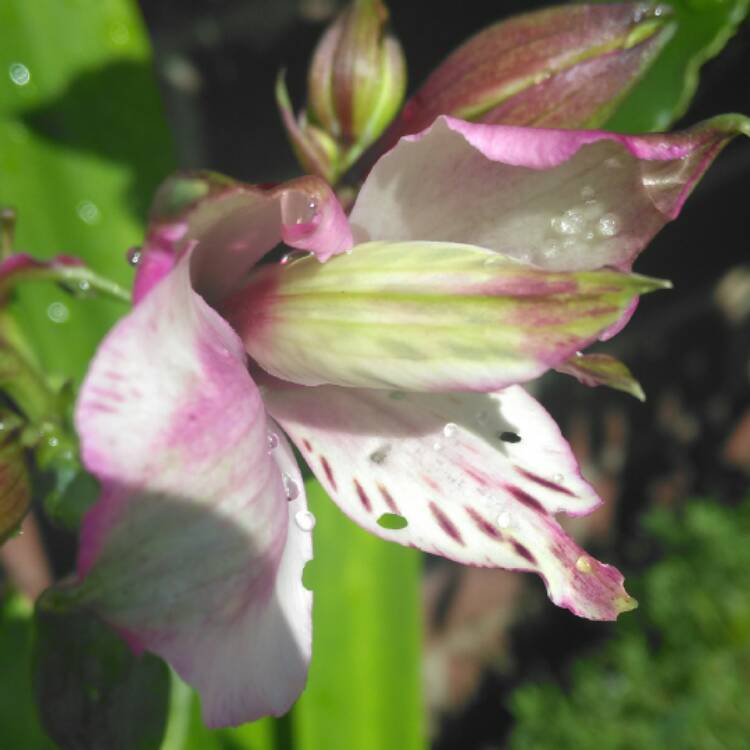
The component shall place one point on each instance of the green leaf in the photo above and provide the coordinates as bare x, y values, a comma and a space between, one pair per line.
186, 731
664, 93
92, 691
18, 719
82, 147
364, 686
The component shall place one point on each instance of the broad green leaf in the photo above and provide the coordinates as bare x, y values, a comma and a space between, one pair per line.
82, 147
19, 725
91, 690
364, 686
664, 93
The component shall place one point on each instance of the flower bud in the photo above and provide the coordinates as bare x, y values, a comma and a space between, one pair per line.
356, 83
561, 67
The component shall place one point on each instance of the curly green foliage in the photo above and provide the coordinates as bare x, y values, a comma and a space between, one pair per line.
676, 674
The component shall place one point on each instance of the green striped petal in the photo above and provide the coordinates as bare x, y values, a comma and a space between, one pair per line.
424, 316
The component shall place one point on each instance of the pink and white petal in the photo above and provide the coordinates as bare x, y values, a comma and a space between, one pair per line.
232, 225
189, 551
478, 479
561, 199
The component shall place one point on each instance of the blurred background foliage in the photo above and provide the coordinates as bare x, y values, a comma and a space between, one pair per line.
676, 674
96, 107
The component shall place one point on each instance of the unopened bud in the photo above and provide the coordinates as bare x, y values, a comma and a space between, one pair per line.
566, 66
356, 83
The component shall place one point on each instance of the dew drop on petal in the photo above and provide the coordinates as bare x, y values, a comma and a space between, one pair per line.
503, 520
437, 446
19, 74
583, 564
292, 256
558, 479
450, 430
305, 520
272, 441
84, 285
134, 255
290, 487
587, 192
609, 225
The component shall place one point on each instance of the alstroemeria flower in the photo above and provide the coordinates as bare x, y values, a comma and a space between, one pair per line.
482, 256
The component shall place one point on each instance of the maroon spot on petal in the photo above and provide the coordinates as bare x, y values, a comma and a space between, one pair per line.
484, 525
476, 476
329, 472
306, 444
446, 524
523, 552
389, 501
525, 498
366, 504
542, 482
431, 483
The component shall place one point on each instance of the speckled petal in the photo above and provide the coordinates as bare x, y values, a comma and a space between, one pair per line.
189, 551
477, 478
561, 199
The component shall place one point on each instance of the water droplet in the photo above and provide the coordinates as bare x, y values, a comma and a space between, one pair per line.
437, 446
450, 430
134, 255
88, 212
589, 236
583, 564
84, 285
558, 479
119, 34
569, 243
272, 441
587, 192
19, 74
609, 225
312, 204
503, 520
294, 255
53, 442
58, 312
290, 487
571, 222
305, 520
